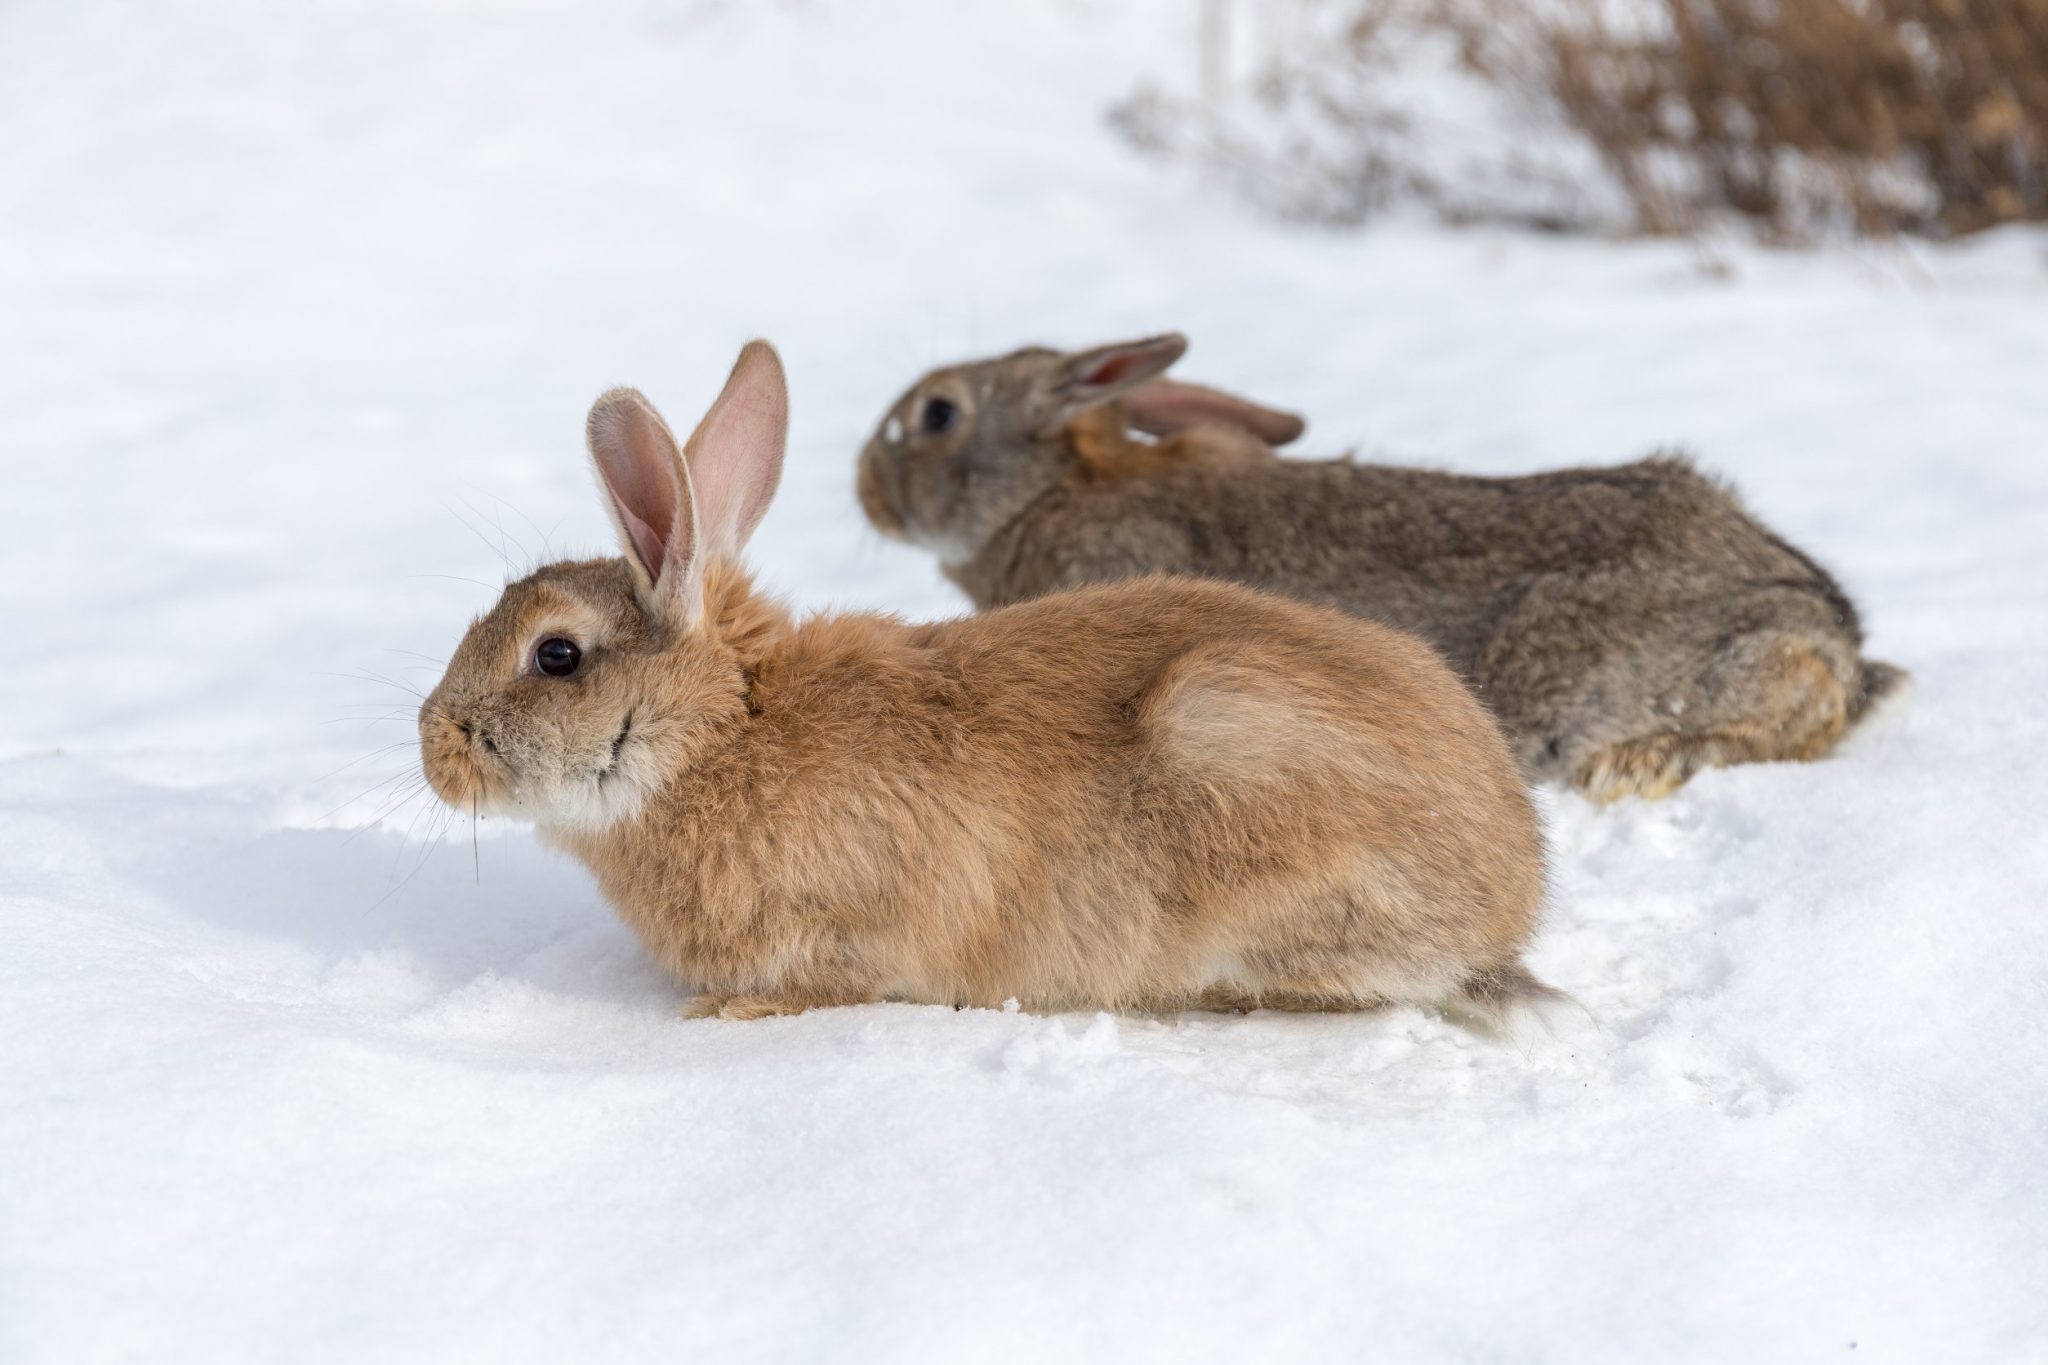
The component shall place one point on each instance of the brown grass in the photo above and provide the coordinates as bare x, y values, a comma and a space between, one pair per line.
1923, 116
1801, 116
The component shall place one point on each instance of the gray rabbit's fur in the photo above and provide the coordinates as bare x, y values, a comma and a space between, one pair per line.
1628, 625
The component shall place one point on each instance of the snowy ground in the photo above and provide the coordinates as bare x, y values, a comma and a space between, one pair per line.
300, 309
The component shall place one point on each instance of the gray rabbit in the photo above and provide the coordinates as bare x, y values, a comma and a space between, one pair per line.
1628, 625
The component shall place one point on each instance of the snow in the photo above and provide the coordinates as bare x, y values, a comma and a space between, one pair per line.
300, 311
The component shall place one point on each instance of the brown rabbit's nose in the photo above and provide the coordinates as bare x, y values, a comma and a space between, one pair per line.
475, 732
447, 723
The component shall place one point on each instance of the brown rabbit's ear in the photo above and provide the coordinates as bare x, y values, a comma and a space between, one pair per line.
1165, 406
1087, 378
736, 451
735, 454
647, 491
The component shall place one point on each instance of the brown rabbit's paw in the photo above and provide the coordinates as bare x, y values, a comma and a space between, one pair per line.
760, 1006
1217, 1000
738, 1007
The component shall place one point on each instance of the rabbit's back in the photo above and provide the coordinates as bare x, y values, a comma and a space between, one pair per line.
1440, 555
1595, 611
1249, 764
1627, 626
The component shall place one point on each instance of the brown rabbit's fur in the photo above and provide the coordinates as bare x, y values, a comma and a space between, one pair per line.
1626, 625
1158, 794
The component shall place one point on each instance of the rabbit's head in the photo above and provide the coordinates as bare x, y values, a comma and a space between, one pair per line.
968, 448
591, 683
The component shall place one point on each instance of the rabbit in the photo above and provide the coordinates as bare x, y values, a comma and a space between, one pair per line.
1627, 626
1152, 795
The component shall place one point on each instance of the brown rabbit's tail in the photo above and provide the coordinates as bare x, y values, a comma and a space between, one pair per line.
1878, 685
1510, 1003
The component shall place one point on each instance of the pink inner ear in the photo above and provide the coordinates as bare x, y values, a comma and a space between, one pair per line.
1116, 368
638, 464
735, 455
653, 550
1093, 375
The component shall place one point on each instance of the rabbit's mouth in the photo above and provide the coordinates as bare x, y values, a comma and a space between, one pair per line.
610, 770
473, 773
455, 756
611, 785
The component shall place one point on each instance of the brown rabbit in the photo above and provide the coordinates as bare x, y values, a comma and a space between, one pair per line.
1628, 626
1154, 794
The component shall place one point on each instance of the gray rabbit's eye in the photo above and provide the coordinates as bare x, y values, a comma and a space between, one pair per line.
557, 657
940, 415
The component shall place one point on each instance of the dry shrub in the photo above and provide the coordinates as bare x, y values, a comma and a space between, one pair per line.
1332, 111
1310, 131
1926, 116
1915, 115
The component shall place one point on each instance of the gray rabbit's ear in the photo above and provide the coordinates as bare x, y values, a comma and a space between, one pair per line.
1165, 406
647, 491
1087, 378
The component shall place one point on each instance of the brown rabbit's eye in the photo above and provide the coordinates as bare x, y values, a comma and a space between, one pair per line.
939, 416
557, 657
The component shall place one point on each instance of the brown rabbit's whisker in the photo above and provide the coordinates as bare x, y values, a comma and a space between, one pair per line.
409, 689
384, 813
504, 560
547, 547
412, 791
374, 790
374, 753
382, 681
417, 866
436, 816
459, 578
